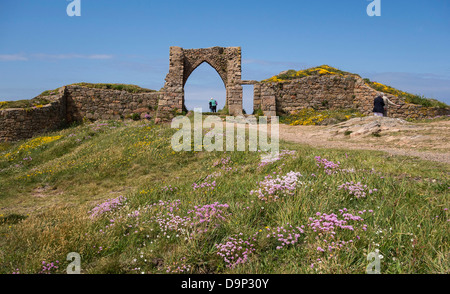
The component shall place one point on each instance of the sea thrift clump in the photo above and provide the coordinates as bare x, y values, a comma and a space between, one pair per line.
236, 251
223, 163
335, 232
48, 268
267, 160
208, 185
178, 267
330, 222
285, 153
169, 188
357, 189
209, 182
272, 188
209, 213
107, 206
166, 218
200, 219
172, 222
16, 272
286, 236
329, 166
170, 206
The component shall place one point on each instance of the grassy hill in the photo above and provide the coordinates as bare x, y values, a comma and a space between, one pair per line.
117, 193
325, 70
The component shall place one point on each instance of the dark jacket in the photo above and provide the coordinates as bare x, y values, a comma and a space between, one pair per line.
378, 104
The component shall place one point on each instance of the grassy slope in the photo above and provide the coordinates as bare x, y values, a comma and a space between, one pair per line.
328, 70
68, 176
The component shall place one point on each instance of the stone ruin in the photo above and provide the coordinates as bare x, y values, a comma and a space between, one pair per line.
227, 63
75, 103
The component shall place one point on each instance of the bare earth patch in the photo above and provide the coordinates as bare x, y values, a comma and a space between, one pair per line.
428, 141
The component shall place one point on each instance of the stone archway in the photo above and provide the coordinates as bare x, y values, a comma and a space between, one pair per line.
227, 63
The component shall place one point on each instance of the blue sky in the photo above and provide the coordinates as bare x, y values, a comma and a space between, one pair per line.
127, 41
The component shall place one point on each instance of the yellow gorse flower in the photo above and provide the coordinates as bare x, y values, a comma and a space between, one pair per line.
311, 117
31, 145
320, 70
37, 142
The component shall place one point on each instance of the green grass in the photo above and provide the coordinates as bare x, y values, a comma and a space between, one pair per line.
50, 92
45, 206
119, 87
35, 102
38, 101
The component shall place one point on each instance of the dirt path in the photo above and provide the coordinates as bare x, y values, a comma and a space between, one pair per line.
305, 136
428, 141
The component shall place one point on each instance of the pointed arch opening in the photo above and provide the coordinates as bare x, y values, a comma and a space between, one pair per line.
202, 84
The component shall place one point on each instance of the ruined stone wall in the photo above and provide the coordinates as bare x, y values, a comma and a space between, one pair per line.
330, 92
74, 103
17, 123
364, 96
100, 104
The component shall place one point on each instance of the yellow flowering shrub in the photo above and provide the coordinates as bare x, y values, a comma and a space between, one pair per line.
31, 145
38, 142
311, 117
274, 79
315, 71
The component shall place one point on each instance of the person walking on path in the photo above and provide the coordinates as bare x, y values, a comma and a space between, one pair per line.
387, 102
378, 105
213, 105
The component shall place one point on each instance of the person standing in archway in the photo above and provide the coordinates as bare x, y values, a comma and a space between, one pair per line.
213, 105
210, 105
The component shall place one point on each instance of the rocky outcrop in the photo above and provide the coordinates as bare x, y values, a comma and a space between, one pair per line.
366, 126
